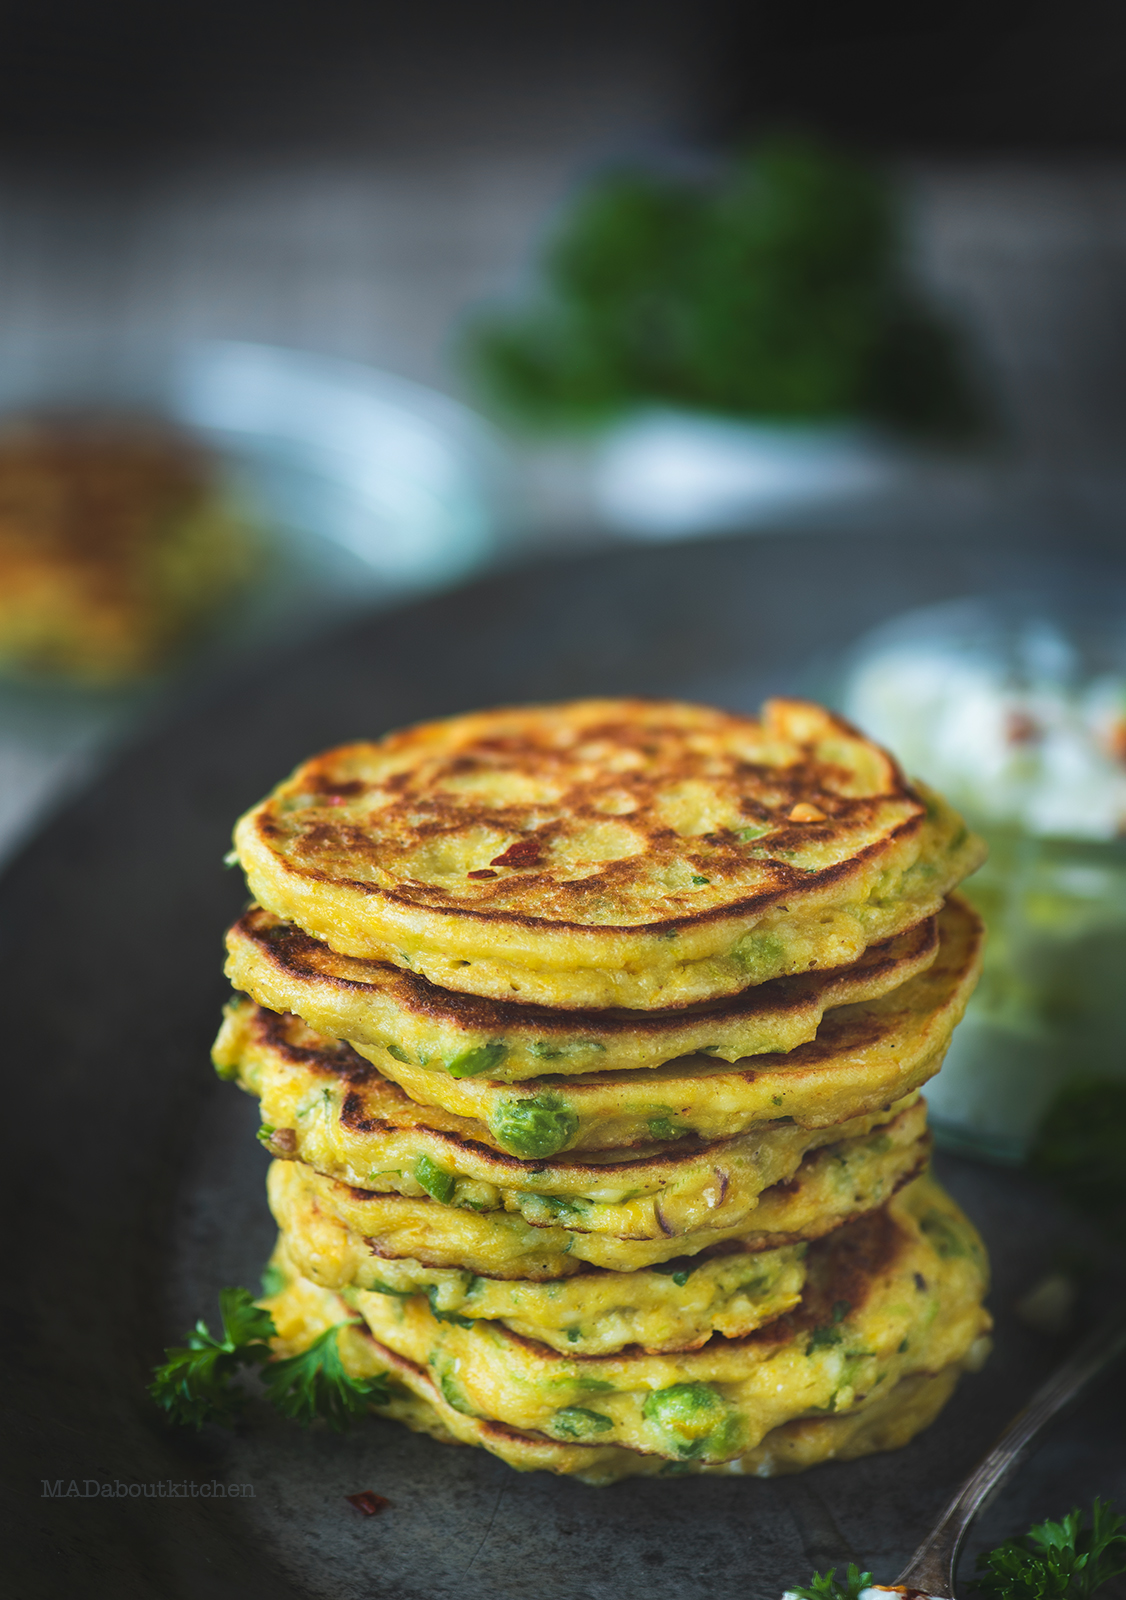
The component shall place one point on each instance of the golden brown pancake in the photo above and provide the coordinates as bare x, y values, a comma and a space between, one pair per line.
887, 1422
865, 1058
832, 1184
674, 1306
323, 1105
892, 1296
391, 1009
606, 853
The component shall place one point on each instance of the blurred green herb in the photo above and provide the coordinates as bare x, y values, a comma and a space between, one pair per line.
1057, 1560
314, 1384
777, 291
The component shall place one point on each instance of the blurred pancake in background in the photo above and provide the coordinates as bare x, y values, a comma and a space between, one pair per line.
117, 543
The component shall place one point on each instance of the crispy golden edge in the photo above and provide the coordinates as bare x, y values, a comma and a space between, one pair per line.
381, 1006
893, 1273
669, 959
365, 1128
805, 1206
865, 1057
880, 1422
731, 1291
861, 1060
888, 1423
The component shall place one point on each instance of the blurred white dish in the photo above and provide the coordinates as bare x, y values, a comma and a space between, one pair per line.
1019, 714
401, 476
1016, 709
670, 474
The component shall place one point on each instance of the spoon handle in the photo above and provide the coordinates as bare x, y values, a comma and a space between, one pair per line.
931, 1569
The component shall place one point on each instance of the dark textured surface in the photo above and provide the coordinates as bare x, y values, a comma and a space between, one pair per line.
137, 1185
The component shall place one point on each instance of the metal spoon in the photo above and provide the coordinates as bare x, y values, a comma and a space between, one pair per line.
930, 1572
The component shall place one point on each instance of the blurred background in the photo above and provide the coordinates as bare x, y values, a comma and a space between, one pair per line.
306, 309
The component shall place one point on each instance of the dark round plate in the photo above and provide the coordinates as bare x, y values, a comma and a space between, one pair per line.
137, 1183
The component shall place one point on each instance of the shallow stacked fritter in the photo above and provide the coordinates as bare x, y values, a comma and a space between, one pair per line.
589, 1039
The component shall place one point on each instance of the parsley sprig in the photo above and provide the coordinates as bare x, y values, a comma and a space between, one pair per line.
1063, 1560
825, 1586
1057, 1560
194, 1384
315, 1384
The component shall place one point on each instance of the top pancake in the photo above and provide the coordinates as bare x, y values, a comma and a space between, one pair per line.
628, 853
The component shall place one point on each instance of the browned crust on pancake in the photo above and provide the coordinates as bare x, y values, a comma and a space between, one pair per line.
787, 879
742, 1246
329, 1058
300, 956
337, 1059
841, 1267
424, 813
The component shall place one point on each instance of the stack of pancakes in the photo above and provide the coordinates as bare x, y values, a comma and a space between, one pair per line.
589, 1039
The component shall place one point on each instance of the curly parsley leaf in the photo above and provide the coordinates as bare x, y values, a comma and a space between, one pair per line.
244, 1322
315, 1384
1057, 1560
1062, 1560
825, 1586
193, 1384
